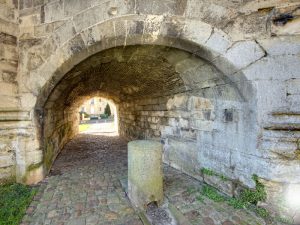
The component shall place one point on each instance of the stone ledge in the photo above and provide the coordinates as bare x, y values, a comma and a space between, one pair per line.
14, 115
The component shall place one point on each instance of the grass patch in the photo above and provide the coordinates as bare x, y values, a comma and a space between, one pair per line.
14, 200
200, 198
254, 196
192, 190
212, 194
248, 199
262, 212
83, 127
210, 172
237, 203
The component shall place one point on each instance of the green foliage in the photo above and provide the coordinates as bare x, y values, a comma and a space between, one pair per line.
103, 116
212, 194
14, 200
247, 200
107, 110
210, 172
262, 212
284, 220
200, 198
191, 190
254, 196
237, 203
34, 166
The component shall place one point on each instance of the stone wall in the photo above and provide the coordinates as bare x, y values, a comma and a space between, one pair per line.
227, 98
9, 103
198, 132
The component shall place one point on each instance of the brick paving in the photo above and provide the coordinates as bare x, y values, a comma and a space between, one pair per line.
84, 188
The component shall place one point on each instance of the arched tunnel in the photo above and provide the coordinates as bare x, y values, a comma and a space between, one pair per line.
203, 117
215, 82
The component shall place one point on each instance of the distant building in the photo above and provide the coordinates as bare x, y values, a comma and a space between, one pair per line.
95, 106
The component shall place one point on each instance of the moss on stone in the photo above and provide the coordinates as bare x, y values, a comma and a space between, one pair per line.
30, 168
8, 180
34, 166
48, 156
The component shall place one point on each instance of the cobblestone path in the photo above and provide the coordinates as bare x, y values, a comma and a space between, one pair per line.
84, 188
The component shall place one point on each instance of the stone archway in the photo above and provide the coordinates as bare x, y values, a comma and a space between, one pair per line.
42, 42
212, 45
180, 63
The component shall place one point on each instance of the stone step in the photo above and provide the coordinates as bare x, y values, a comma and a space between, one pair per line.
14, 115
285, 118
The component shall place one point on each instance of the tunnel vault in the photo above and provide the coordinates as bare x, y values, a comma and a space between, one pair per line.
201, 115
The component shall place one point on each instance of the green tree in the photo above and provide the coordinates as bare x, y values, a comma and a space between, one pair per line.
107, 110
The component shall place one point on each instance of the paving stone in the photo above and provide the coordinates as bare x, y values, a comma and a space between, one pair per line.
87, 190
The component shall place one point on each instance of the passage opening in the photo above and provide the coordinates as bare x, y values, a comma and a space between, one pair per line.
98, 116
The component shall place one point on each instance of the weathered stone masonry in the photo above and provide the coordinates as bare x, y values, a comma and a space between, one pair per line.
216, 81
10, 116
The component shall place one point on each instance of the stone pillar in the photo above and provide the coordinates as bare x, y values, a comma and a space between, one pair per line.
145, 177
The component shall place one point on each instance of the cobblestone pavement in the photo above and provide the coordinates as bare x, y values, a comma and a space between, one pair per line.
84, 188
180, 191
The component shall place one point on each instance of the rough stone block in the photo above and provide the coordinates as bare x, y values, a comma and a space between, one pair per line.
218, 42
178, 102
182, 154
8, 13
91, 16
9, 28
8, 89
293, 87
145, 179
72, 7
284, 45
197, 31
274, 68
270, 99
53, 11
35, 176
211, 156
221, 183
7, 174
64, 33
167, 131
199, 104
251, 52
188, 64
6, 160
203, 125
10, 66
158, 8
8, 39
294, 102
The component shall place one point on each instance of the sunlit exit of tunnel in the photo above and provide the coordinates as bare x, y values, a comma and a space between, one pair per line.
98, 116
